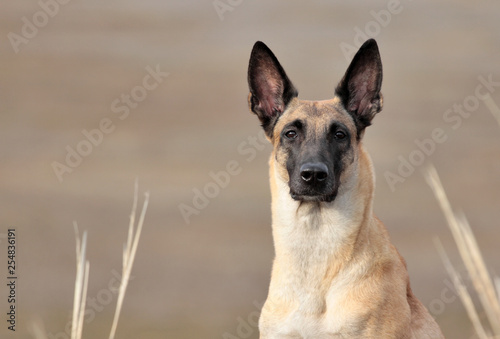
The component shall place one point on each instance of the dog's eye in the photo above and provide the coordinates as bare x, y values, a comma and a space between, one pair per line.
291, 134
340, 135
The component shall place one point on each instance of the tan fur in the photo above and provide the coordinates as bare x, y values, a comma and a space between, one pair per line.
336, 273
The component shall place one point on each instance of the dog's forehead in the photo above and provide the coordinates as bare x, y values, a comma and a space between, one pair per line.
319, 114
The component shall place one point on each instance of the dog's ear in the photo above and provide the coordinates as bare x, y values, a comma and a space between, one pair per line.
359, 90
270, 88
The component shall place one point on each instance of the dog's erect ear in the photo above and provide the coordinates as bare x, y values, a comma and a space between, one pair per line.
270, 88
359, 90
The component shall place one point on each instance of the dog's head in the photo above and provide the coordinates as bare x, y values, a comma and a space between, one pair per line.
315, 142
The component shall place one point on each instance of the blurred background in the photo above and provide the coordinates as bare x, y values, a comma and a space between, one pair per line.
95, 94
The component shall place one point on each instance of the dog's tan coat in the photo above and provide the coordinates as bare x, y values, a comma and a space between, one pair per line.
336, 273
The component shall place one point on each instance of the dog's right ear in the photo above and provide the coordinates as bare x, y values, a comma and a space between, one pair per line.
270, 88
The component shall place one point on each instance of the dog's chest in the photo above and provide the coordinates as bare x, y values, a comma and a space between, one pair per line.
307, 273
308, 327
316, 315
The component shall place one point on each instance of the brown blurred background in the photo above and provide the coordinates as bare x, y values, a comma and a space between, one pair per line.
77, 65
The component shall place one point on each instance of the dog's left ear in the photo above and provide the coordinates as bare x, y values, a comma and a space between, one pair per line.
359, 90
270, 88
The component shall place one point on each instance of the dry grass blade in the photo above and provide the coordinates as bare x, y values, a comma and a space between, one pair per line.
129, 252
492, 106
81, 283
82, 274
470, 253
483, 283
462, 291
497, 285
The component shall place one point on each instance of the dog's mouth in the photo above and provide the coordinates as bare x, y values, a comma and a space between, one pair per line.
313, 197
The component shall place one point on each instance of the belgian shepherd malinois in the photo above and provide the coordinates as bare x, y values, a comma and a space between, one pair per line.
336, 273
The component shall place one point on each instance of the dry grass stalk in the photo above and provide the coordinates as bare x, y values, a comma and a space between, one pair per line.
82, 274
492, 106
472, 258
497, 284
462, 291
81, 283
129, 252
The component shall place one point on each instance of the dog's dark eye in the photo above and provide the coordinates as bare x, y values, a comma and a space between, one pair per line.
340, 135
291, 134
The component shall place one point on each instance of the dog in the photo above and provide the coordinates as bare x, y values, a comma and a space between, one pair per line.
336, 273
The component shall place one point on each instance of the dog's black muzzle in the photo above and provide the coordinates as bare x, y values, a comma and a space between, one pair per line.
312, 181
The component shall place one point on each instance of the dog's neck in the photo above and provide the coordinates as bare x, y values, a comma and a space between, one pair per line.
321, 230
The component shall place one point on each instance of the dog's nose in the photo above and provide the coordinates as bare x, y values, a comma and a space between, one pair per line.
313, 172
